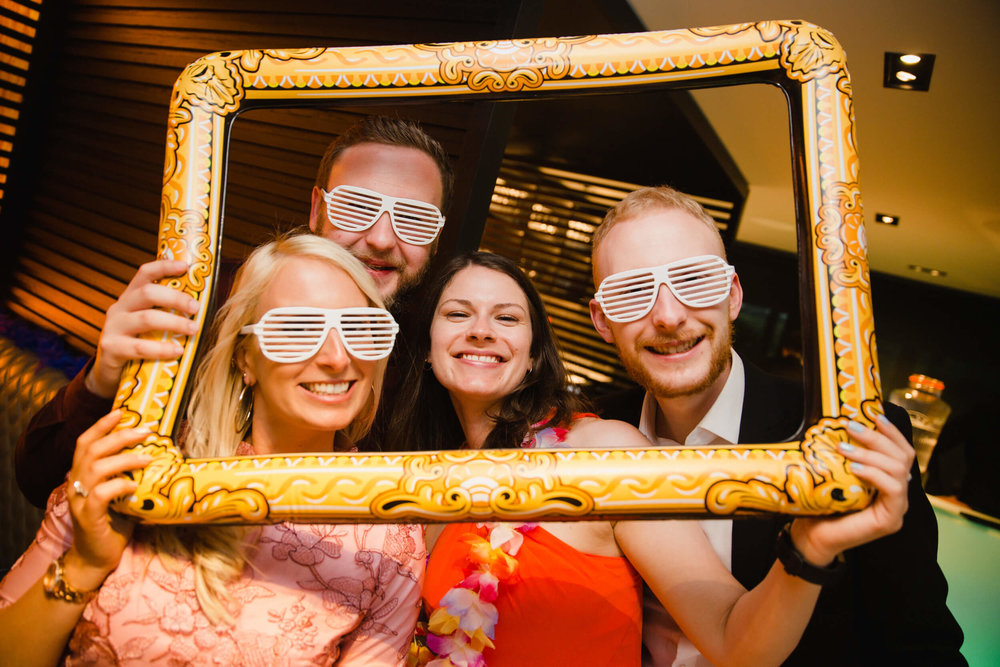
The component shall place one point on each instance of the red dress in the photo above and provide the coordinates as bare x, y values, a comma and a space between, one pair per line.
560, 607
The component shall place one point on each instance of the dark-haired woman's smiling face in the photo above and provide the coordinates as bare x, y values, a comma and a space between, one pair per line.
481, 336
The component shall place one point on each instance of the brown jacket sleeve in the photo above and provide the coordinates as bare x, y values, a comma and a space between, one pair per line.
44, 453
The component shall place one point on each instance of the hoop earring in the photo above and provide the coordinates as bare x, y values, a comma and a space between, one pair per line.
244, 409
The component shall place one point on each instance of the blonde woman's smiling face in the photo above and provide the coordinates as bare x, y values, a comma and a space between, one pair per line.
299, 406
481, 336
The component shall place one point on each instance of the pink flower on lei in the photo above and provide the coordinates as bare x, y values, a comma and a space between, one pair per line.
485, 582
472, 612
548, 438
456, 653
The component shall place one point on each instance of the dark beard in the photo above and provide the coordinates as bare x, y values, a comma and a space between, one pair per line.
400, 302
408, 291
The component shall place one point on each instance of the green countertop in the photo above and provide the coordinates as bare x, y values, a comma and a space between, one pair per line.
969, 555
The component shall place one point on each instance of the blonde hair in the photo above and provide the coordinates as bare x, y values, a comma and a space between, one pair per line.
645, 199
214, 401
218, 552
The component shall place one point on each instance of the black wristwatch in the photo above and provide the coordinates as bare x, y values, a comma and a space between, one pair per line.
796, 565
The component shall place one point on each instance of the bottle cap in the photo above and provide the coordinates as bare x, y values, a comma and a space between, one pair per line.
919, 381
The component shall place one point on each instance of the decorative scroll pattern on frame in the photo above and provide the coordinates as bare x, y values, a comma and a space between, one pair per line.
806, 477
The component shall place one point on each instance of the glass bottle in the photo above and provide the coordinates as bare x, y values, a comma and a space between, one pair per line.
928, 413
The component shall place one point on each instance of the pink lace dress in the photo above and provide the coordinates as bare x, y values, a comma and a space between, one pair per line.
311, 594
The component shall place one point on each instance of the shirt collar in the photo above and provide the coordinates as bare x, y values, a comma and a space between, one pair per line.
720, 425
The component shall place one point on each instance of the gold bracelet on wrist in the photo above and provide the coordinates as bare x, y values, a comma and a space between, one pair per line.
58, 588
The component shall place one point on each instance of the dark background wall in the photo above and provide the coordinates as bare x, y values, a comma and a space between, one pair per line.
947, 334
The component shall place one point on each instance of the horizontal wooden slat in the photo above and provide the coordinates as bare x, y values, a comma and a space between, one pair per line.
67, 284
74, 316
100, 244
51, 259
118, 270
471, 10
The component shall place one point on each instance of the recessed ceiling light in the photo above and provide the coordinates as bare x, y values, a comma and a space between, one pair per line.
886, 219
908, 71
937, 273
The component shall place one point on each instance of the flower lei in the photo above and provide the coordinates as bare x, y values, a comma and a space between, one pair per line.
463, 625
459, 630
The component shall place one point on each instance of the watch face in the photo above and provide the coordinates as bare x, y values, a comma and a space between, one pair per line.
56, 587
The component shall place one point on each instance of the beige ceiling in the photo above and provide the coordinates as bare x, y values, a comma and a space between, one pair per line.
929, 157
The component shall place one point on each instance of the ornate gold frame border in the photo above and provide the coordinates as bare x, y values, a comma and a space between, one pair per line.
803, 477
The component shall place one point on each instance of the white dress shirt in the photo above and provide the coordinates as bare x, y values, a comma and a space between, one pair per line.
663, 642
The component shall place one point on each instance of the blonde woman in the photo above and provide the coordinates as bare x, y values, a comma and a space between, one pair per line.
94, 587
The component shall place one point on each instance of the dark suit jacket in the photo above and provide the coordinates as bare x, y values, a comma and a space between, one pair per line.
890, 608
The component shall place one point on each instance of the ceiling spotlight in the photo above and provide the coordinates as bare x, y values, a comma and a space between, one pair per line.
908, 71
937, 273
885, 219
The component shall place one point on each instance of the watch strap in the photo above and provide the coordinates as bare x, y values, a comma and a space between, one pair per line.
55, 585
796, 564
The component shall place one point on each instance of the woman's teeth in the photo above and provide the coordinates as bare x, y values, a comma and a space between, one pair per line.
327, 387
482, 357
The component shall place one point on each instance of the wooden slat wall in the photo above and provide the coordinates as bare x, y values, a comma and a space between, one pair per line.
18, 28
92, 210
544, 218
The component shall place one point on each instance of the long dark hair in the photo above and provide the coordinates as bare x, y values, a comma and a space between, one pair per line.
425, 419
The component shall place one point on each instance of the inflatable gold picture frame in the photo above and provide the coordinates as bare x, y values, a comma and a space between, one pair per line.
805, 477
